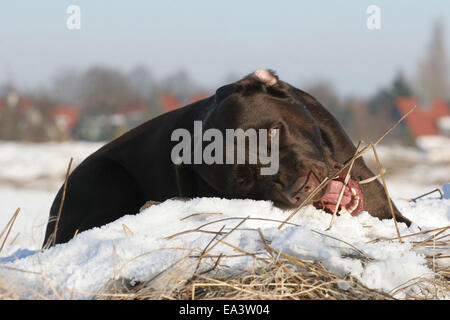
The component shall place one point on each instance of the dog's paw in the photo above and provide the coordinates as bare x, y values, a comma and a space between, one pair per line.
148, 204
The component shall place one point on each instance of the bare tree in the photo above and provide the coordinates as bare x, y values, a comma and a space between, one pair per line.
142, 81
432, 80
180, 84
67, 87
325, 92
104, 89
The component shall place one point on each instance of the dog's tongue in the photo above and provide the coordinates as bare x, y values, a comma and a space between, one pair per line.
352, 198
333, 194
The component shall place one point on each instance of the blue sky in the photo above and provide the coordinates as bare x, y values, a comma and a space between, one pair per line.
304, 41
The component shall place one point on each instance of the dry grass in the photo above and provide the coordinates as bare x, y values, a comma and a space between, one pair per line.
276, 275
435, 247
273, 275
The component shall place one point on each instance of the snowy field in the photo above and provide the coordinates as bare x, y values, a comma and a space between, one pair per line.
135, 247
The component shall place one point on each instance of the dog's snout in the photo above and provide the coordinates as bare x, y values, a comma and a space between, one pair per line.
301, 188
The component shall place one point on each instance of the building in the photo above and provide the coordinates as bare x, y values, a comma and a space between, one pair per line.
430, 126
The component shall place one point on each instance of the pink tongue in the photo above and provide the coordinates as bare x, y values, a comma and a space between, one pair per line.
333, 194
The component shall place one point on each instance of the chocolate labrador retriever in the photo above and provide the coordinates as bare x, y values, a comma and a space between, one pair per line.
310, 145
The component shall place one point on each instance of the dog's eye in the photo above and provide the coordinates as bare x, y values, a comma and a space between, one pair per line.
273, 131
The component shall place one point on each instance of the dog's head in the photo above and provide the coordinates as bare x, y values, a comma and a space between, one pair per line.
262, 106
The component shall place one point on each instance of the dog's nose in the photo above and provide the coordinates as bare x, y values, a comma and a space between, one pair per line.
301, 188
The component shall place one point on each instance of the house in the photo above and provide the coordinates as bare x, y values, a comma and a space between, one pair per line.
65, 116
20, 119
199, 96
19, 105
423, 121
170, 102
129, 114
430, 126
106, 126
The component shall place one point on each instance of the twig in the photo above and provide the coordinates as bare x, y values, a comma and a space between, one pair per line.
9, 227
198, 229
428, 239
62, 202
410, 235
127, 230
226, 235
341, 193
200, 214
349, 244
368, 180
425, 194
358, 155
202, 254
214, 266
380, 168
190, 231
395, 125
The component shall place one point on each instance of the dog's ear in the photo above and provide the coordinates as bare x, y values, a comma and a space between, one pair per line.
268, 77
262, 80
224, 92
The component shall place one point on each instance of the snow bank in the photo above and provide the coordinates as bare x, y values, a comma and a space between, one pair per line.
29, 226
40, 165
436, 147
140, 250
87, 262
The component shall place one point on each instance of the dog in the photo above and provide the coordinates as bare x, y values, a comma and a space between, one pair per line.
140, 165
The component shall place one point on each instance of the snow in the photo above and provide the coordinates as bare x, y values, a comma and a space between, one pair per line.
136, 247
32, 218
40, 165
437, 147
443, 123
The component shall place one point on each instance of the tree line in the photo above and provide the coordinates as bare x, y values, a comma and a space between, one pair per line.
102, 95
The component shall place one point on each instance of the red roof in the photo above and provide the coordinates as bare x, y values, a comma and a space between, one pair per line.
22, 105
198, 97
170, 102
139, 107
423, 121
68, 112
